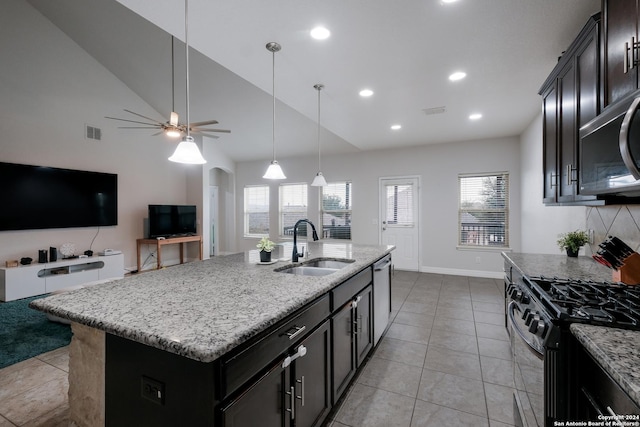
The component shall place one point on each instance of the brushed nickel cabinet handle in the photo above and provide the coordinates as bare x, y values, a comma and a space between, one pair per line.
292, 402
301, 397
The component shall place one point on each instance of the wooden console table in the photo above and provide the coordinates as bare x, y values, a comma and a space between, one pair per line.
168, 241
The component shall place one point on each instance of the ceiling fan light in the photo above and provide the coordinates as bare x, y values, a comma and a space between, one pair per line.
173, 133
274, 171
188, 152
319, 180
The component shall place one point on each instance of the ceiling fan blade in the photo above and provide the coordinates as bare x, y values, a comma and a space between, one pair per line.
158, 133
208, 122
208, 135
137, 127
197, 129
140, 115
132, 121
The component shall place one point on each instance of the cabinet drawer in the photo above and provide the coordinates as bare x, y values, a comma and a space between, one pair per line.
345, 291
239, 368
603, 394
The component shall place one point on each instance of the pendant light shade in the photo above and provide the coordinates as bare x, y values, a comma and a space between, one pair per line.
274, 171
319, 180
187, 151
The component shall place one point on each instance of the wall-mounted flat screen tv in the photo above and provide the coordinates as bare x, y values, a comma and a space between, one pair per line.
39, 197
172, 220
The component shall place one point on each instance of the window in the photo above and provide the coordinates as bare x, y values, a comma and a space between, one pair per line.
293, 206
399, 205
256, 210
483, 216
336, 210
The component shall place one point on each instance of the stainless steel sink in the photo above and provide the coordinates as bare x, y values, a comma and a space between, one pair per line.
327, 263
316, 267
309, 271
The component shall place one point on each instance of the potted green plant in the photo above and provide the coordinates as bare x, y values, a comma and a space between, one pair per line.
266, 246
572, 241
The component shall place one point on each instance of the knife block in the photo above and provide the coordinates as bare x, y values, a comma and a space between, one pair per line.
629, 272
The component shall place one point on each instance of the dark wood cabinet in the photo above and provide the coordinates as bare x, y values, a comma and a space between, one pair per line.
363, 324
352, 339
620, 34
596, 394
297, 395
571, 97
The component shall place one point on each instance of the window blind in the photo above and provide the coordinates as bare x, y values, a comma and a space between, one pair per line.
337, 200
483, 215
256, 210
399, 205
293, 206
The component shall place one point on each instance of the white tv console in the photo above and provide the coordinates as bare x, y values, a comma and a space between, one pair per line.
37, 279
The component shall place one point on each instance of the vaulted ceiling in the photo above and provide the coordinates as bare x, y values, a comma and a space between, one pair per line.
403, 51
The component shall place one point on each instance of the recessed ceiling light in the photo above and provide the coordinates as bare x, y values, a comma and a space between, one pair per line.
475, 116
320, 33
449, 1
396, 127
458, 75
366, 93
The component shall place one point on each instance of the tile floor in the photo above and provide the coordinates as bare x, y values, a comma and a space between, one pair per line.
445, 361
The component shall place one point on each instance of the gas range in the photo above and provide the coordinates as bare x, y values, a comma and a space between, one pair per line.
598, 303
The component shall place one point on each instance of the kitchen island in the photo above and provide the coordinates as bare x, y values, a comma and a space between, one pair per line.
196, 317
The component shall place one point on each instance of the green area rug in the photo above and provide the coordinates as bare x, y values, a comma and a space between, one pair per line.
25, 333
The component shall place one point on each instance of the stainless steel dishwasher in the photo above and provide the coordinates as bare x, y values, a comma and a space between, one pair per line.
381, 297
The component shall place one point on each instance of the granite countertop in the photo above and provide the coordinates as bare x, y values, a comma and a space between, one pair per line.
559, 266
617, 350
203, 309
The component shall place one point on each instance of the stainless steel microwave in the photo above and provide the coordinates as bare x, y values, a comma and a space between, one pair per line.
610, 150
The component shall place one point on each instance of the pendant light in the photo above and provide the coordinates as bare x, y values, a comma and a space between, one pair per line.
187, 151
319, 180
274, 171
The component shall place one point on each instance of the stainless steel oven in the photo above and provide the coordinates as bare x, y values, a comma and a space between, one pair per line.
525, 322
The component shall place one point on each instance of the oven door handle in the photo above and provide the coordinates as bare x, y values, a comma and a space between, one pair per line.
537, 351
625, 149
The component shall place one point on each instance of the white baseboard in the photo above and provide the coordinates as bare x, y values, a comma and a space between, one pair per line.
458, 272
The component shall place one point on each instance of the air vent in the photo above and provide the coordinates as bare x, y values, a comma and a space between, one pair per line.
434, 110
92, 133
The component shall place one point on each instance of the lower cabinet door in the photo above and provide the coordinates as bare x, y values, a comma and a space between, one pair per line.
364, 332
263, 404
311, 379
343, 350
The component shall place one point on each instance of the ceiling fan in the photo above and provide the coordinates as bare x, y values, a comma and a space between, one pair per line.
172, 127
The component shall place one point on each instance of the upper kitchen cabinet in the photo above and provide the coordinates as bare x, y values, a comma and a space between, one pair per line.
571, 96
620, 40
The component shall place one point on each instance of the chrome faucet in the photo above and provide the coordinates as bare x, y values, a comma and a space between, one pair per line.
295, 255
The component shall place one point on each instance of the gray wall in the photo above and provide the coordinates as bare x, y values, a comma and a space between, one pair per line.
49, 90
437, 165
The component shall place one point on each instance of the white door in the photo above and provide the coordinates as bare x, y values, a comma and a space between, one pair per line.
400, 220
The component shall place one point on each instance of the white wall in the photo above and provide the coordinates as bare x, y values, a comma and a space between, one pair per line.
49, 89
438, 166
541, 224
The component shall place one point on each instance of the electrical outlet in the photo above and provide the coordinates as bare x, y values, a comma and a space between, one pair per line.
153, 390
478, 260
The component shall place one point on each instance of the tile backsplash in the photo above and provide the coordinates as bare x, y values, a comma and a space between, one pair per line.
622, 221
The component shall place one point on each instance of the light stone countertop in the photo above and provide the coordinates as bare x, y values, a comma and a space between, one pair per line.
559, 266
203, 309
617, 351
